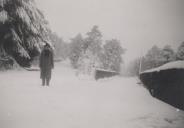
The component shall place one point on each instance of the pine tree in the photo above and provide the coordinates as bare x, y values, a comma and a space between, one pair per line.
22, 30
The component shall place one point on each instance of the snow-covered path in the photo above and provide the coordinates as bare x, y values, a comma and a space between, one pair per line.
80, 102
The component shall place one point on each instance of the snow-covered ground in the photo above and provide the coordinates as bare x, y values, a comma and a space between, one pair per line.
80, 102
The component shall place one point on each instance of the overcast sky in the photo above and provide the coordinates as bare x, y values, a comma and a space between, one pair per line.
138, 24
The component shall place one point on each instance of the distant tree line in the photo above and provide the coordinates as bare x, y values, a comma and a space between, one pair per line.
24, 30
156, 57
86, 53
61, 48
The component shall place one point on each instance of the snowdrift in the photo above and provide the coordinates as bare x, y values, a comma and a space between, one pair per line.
74, 101
166, 83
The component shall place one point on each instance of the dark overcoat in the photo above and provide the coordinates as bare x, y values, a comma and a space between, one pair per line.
46, 63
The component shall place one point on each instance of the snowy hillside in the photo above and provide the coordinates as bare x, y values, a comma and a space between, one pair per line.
80, 102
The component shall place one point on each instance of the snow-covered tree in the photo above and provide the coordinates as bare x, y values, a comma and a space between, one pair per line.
153, 58
112, 57
93, 41
61, 48
180, 52
22, 30
93, 47
84, 64
156, 57
168, 54
76, 50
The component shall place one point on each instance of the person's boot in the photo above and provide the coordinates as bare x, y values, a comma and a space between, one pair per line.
47, 82
43, 82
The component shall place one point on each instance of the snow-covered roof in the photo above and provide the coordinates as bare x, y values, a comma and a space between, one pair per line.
171, 65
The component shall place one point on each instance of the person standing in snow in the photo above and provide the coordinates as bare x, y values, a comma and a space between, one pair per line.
46, 64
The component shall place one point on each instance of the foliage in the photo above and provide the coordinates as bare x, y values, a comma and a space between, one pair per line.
22, 29
180, 52
112, 58
61, 49
156, 57
76, 49
153, 58
168, 54
93, 41
88, 53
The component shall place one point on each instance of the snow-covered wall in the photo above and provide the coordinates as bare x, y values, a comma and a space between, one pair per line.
166, 83
171, 65
101, 73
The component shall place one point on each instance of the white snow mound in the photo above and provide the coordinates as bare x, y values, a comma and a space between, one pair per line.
171, 65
